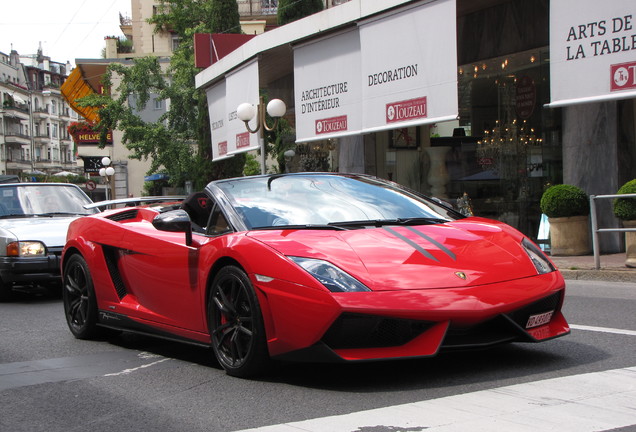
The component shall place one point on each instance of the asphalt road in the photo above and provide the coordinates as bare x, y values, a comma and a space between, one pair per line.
50, 381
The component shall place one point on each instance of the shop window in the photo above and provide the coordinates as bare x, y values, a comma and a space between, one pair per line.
507, 147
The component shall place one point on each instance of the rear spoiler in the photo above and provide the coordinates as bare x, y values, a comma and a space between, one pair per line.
132, 202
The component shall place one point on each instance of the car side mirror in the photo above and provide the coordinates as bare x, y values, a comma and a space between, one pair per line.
175, 221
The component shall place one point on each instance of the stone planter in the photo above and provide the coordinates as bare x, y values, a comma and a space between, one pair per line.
570, 236
630, 244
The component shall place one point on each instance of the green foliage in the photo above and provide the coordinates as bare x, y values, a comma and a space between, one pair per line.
625, 208
292, 10
281, 139
179, 142
252, 165
564, 201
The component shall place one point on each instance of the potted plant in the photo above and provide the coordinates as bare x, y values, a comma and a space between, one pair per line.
568, 210
625, 210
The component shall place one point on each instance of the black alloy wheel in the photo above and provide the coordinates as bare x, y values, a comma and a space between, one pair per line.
236, 324
78, 295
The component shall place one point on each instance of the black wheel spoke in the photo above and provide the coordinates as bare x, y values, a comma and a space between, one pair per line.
79, 298
234, 316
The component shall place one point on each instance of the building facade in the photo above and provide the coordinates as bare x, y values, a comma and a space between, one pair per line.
508, 141
34, 117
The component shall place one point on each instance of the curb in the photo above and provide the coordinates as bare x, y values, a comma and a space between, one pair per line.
600, 275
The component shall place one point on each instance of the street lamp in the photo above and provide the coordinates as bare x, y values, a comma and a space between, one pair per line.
276, 108
107, 171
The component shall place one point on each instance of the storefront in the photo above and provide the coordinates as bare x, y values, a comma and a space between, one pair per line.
507, 140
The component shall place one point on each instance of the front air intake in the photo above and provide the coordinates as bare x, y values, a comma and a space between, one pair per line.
371, 331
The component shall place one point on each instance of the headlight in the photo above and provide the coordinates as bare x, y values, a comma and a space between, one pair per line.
538, 258
26, 249
334, 279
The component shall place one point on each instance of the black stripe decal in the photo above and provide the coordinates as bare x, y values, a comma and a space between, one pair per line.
410, 242
435, 242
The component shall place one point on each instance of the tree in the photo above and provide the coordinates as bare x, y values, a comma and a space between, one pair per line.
179, 143
292, 10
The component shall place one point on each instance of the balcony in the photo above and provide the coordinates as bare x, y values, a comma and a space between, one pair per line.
257, 8
48, 164
41, 139
18, 164
40, 113
16, 138
16, 111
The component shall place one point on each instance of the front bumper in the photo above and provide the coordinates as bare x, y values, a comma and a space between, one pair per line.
26, 270
415, 323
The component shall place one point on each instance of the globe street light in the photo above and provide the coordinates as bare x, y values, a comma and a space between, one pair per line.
276, 108
107, 172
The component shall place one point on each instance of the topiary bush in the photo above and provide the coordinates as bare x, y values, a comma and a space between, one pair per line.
625, 208
564, 201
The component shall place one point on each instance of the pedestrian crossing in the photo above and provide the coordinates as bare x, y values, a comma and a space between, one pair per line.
598, 401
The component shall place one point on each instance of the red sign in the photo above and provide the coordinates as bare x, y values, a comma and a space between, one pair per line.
223, 148
91, 185
623, 76
242, 140
406, 110
330, 125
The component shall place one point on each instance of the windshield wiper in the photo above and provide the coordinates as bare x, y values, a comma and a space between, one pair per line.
300, 227
420, 221
18, 215
384, 222
52, 214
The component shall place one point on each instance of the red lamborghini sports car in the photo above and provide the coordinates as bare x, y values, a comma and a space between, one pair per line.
309, 266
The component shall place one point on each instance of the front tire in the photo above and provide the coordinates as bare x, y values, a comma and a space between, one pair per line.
236, 324
78, 296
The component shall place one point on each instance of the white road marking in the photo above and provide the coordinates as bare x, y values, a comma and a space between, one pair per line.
131, 370
603, 329
597, 401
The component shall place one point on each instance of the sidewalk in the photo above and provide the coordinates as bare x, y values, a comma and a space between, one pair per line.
582, 267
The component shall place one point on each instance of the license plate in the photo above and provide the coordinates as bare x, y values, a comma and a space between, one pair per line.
539, 319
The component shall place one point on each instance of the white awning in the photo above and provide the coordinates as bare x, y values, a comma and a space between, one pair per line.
592, 51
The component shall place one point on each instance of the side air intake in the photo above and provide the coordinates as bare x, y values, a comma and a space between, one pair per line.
122, 216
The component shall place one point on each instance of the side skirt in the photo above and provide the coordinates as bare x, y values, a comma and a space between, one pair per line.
117, 321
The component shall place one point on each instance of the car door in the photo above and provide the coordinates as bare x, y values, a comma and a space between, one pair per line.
160, 273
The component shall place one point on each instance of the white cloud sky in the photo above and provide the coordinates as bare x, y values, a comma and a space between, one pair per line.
67, 29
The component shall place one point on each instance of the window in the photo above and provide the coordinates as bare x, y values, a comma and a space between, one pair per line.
176, 40
53, 107
54, 131
218, 224
158, 104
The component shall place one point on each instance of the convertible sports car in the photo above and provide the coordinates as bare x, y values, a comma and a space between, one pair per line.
309, 266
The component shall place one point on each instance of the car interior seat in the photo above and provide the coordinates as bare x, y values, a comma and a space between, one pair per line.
198, 206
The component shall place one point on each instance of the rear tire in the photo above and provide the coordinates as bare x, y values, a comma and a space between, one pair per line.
235, 323
78, 296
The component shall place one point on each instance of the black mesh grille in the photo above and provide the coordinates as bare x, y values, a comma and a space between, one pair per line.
110, 254
492, 332
369, 331
546, 304
125, 215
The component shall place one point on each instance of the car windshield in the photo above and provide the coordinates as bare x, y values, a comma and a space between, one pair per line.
328, 200
42, 199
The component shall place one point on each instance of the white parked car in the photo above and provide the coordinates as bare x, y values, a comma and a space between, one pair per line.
34, 218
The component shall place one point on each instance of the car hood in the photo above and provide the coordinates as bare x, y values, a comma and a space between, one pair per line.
462, 253
49, 230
